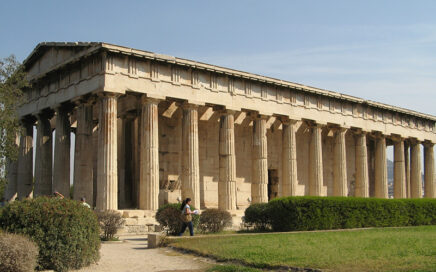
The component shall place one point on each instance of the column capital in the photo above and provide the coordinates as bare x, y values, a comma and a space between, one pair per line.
45, 114
286, 120
414, 141
378, 135
186, 105
224, 112
85, 100
359, 131
314, 124
339, 129
149, 100
428, 143
396, 138
28, 120
108, 94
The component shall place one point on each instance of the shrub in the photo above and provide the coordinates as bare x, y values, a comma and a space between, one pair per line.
214, 220
256, 215
66, 232
317, 213
17, 253
110, 221
169, 217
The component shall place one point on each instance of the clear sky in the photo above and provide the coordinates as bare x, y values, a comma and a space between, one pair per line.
378, 50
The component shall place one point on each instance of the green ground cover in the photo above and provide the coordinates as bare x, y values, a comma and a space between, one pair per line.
388, 249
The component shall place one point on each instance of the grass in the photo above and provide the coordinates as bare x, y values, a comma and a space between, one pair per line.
388, 249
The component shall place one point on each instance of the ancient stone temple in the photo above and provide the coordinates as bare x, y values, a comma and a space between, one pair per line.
151, 128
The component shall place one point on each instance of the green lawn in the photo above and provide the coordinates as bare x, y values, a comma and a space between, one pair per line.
389, 249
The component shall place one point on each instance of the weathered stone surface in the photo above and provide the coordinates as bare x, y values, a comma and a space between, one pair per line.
107, 176
149, 155
381, 170
190, 162
415, 170
259, 185
83, 154
61, 166
166, 151
227, 163
399, 170
362, 179
316, 162
43, 157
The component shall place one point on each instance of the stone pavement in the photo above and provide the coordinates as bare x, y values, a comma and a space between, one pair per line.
132, 255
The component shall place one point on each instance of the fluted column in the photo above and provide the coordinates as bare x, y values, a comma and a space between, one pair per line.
61, 173
315, 161
11, 190
43, 158
107, 168
381, 170
362, 179
259, 185
190, 163
340, 186
415, 170
83, 164
25, 160
407, 167
399, 169
289, 158
227, 175
429, 174
149, 155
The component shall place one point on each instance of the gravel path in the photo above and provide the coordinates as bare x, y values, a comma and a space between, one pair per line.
132, 255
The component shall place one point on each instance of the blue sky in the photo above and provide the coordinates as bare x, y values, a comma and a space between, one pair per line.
378, 50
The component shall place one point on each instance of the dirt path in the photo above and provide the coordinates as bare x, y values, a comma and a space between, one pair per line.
132, 255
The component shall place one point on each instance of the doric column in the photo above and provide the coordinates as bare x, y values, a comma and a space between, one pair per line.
149, 155
11, 190
415, 170
107, 168
315, 161
83, 157
25, 160
190, 163
61, 173
429, 175
259, 185
399, 169
340, 187
43, 159
362, 179
407, 167
289, 158
227, 175
381, 170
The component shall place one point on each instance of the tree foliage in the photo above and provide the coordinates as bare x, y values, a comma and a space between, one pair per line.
12, 82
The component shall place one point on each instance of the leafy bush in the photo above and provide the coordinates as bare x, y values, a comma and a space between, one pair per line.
214, 220
256, 216
110, 221
66, 232
317, 213
169, 217
17, 253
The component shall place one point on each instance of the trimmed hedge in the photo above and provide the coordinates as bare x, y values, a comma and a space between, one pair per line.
214, 220
66, 232
169, 217
17, 253
321, 213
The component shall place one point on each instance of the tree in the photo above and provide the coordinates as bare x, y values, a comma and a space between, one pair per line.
12, 82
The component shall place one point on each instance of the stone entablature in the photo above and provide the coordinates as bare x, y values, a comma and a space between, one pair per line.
118, 69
